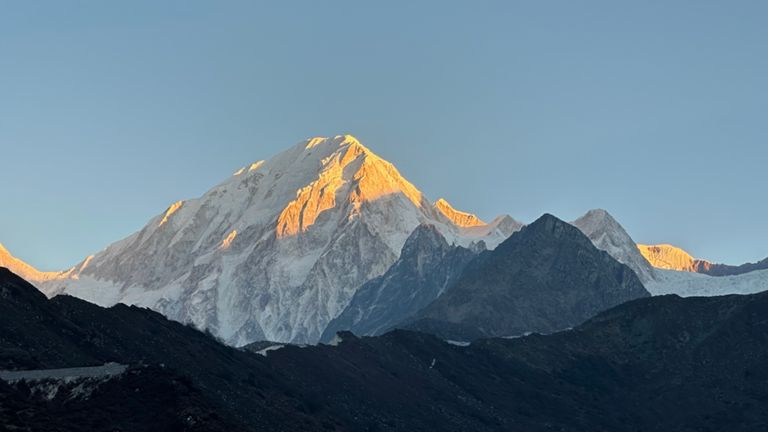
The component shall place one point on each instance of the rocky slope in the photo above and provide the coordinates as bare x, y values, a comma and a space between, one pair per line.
546, 277
276, 251
427, 265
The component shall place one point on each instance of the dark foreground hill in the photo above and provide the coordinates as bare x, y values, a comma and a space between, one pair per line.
654, 364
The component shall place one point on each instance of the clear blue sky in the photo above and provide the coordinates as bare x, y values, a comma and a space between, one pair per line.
656, 111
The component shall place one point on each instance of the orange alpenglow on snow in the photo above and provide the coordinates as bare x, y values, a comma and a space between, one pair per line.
228, 240
459, 218
367, 176
23, 269
665, 256
171, 210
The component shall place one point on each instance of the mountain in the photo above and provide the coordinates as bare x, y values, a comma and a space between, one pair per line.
427, 265
458, 218
662, 363
276, 251
544, 278
608, 235
23, 269
669, 257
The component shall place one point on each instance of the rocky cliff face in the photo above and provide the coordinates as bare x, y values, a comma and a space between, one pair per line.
274, 252
547, 277
427, 265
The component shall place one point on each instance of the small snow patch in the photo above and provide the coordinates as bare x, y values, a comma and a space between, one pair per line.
458, 343
517, 336
336, 340
268, 349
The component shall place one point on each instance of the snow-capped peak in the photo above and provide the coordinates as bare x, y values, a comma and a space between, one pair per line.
459, 218
276, 250
607, 234
21, 268
666, 256
506, 224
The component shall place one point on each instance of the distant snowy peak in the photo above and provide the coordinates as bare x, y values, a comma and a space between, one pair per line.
491, 234
459, 218
506, 224
668, 257
19, 267
32, 274
666, 269
425, 236
607, 234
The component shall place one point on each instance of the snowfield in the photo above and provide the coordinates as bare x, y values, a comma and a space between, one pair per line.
687, 284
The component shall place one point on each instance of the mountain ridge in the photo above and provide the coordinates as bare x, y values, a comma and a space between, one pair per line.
544, 278
669, 257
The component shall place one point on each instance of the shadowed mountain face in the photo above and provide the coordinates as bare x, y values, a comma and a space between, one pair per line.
662, 363
547, 277
427, 265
